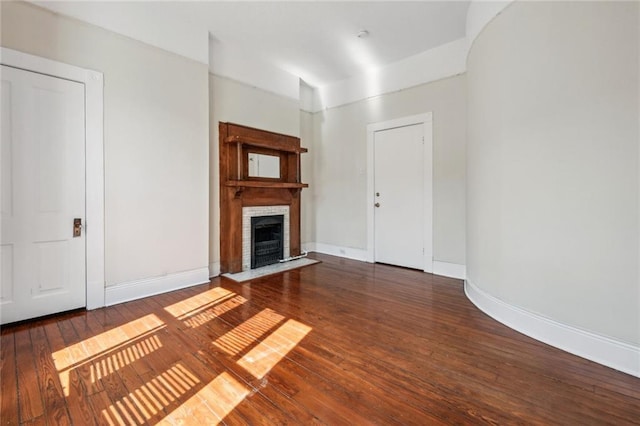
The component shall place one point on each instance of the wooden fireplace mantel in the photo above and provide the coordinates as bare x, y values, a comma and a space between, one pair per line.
238, 189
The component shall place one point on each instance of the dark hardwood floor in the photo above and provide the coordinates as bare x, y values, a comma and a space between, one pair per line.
340, 342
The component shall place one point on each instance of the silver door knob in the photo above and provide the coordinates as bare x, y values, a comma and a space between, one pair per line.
377, 204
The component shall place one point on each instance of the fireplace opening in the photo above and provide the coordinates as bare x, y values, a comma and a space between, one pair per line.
267, 240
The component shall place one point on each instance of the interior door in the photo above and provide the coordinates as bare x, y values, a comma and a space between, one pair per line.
399, 194
43, 191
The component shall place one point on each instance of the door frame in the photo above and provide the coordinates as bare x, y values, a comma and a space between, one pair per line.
426, 120
94, 159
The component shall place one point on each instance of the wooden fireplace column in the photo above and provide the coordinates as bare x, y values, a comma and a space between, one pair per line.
238, 189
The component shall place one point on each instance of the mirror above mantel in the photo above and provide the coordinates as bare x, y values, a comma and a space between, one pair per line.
264, 166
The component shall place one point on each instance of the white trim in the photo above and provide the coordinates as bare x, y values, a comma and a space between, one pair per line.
445, 269
138, 289
214, 269
451, 270
346, 252
94, 220
426, 120
612, 353
308, 247
94, 152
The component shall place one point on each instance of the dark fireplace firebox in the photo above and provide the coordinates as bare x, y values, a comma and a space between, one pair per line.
267, 237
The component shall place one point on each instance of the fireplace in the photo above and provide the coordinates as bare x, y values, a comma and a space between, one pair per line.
243, 195
264, 212
267, 240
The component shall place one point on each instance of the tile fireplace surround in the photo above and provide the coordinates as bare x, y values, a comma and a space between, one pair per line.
247, 214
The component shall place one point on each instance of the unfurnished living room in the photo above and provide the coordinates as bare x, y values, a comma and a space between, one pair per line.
316, 212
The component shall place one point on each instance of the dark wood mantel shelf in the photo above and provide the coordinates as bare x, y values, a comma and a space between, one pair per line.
263, 184
269, 144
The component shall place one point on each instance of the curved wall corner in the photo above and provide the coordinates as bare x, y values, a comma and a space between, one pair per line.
479, 14
553, 176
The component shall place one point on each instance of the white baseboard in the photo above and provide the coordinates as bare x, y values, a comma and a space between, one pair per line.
138, 289
308, 247
452, 270
347, 252
603, 350
445, 269
214, 269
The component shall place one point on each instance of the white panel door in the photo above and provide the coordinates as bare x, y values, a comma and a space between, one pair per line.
399, 194
43, 190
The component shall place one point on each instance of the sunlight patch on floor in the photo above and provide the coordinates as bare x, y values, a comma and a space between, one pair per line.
210, 404
202, 308
247, 333
266, 354
194, 304
214, 312
79, 354
139, 406
134, 352
266, 337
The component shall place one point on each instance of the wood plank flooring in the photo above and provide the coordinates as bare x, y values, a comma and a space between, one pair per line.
340, 342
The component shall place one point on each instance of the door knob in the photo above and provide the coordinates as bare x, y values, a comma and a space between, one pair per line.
377, 204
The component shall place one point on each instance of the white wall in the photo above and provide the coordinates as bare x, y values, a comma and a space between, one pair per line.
479, 14
428, 66
155, 141
339, 164
154, 24
235, 102
552, 178
247, 67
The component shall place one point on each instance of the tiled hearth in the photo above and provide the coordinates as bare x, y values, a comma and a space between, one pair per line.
270, 269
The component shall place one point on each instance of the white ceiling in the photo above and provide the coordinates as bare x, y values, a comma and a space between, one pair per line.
313, 40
